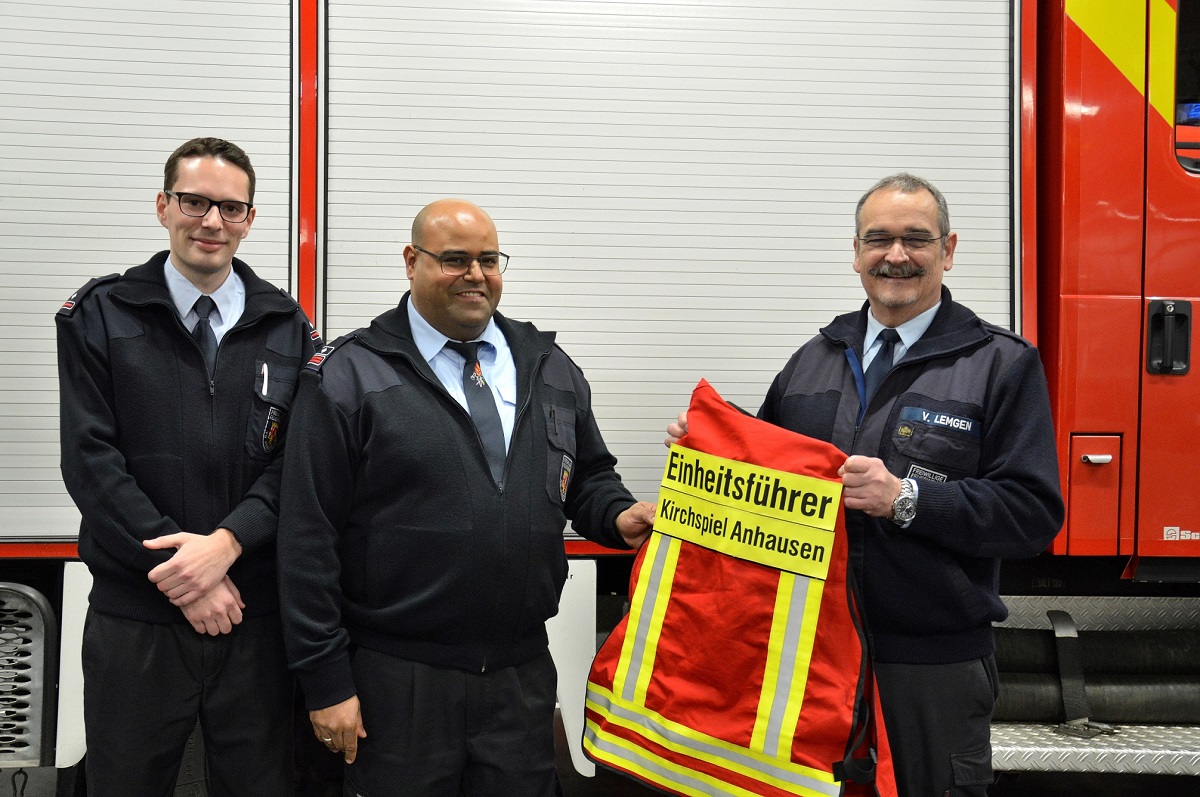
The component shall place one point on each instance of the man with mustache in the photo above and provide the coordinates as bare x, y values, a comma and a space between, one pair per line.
175, 381
951, 467
436, 457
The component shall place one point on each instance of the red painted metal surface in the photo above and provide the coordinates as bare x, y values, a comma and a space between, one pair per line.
1093, 503
585, 548
39, 550
1026, 248
308, 128
1169, 501
1090, 137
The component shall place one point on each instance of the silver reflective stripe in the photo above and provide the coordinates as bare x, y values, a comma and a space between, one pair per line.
708, 751
640, 759
644, 613
788, 659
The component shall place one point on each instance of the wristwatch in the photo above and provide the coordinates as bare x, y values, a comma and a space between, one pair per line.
904, 508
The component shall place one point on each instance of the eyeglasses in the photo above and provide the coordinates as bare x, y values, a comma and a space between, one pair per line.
196, 205
881, 241
455, 264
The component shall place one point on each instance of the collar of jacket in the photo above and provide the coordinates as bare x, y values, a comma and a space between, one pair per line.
954, 328
390, 333
145, 285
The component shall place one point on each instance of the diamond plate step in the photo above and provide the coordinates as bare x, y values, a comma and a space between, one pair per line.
1140, 749
1143, 749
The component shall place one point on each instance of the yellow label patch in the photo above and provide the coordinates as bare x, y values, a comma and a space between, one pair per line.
758, 514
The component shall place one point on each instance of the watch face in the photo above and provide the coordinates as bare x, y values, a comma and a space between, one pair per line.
904, 510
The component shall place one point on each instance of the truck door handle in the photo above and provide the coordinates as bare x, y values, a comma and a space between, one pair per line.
1096, 459
1169, 336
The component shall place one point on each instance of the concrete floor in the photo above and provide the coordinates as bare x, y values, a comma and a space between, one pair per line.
41, 783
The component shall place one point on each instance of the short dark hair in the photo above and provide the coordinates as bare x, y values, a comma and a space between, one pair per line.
208, 147
907, 183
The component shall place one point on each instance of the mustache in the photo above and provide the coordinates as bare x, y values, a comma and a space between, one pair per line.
900, 271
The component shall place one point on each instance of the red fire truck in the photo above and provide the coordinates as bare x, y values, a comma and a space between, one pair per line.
675, 182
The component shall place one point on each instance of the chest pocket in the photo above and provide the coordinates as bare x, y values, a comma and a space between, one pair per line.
560, 451
274, 386
933, 452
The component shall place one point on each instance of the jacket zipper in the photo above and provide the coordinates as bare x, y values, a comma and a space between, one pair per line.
516, 419
437, 385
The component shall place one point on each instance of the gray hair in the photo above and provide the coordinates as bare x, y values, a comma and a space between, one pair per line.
907, 183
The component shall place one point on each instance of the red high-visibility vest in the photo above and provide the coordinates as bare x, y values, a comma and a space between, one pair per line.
731, 676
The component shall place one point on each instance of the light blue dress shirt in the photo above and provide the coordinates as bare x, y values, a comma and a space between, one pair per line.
910, 332
230, 299
495, 360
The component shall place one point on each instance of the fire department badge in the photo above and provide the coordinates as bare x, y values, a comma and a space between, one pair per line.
564, 477
477, 376
270, 435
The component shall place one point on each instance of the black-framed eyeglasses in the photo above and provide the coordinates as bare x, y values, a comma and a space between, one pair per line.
882, 241
455, 264
197, 205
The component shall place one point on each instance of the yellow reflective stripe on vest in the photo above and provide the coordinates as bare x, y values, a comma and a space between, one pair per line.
646, 617
653, 769
718, 681
793, 631
783, 775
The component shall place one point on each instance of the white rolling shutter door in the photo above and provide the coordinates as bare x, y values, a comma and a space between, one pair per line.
675, 182
95, 96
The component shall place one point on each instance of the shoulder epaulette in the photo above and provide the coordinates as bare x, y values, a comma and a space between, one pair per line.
996, 329
313, 334
314, 364
75, 298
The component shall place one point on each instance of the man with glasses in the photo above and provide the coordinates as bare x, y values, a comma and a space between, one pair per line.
175, 382
951, 467
436, 457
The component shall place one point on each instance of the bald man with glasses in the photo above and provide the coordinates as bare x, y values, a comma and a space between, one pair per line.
436, 458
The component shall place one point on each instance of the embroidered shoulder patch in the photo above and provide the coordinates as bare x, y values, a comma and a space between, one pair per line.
317, 360
68, 307
314, 362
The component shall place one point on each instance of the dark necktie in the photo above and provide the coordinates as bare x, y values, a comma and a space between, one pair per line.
202, 333
482, 405
883, 361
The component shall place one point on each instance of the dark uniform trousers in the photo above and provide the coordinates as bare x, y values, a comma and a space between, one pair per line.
438, 732
938, 719
145, 687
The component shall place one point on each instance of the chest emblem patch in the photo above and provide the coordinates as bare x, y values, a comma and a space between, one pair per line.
917, 472
564, 478
270, 434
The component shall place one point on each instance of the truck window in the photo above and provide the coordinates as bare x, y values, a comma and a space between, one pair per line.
1187, 85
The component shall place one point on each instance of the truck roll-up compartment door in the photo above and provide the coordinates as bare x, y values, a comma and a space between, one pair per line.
675, 182
95, 97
